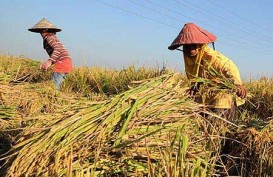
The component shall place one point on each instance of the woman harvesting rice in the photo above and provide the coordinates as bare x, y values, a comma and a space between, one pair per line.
58, 54
203, 63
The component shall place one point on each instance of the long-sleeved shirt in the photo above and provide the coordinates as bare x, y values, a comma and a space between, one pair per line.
210, 64
58, 54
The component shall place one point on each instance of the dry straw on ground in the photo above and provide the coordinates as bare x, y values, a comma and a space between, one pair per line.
152, 129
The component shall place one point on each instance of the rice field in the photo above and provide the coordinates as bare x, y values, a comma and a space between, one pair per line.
132, 122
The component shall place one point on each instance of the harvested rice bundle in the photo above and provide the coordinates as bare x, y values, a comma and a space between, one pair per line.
151, 129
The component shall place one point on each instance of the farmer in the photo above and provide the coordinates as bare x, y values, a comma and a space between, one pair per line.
58, 54
203, 64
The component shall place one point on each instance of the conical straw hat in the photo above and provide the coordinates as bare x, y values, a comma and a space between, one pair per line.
192, 34
44, 24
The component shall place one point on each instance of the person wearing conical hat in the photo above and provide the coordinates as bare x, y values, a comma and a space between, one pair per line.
58, 54
205, 65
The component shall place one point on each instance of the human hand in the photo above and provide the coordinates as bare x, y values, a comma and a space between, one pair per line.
46, 65
192, 90
241, 91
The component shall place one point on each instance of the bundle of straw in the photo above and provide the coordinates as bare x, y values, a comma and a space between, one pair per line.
153, 129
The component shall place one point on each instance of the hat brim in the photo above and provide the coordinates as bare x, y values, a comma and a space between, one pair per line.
173, 47
192, 34
49, 30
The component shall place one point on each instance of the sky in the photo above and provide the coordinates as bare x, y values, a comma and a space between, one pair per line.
120, 33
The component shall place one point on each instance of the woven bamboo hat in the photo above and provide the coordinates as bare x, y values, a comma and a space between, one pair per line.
42, 25
192, 34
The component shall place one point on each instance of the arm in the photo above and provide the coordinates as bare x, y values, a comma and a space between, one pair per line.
54, 43
226, 67
56, 46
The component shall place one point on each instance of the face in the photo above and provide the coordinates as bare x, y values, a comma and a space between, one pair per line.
43, 33
46, 32
190, 49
